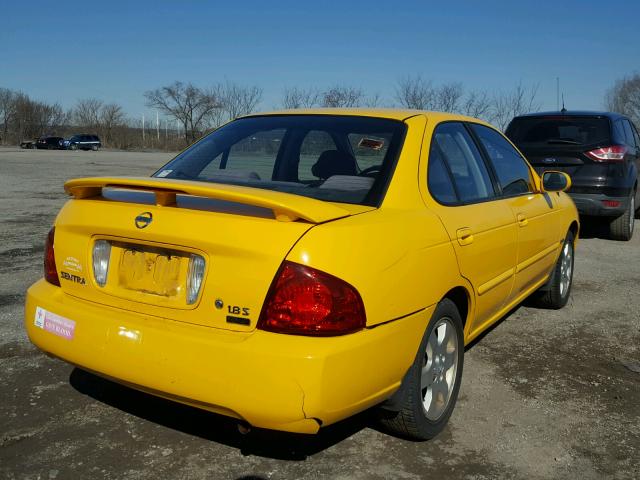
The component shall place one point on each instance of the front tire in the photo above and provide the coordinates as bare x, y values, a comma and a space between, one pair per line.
73, 147
432, 383
621, 228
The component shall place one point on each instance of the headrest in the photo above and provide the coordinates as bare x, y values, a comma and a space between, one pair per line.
334, 162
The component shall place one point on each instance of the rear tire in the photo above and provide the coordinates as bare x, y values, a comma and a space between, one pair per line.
555, 293
432, 383
73, 147
94, 148
621, 228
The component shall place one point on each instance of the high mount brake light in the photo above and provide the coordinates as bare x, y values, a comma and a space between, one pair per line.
614, 153
306, 301
50, 271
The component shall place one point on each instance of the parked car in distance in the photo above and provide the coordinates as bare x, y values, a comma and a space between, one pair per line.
292, 269
599, 150
83, 142
28, 144
49, 143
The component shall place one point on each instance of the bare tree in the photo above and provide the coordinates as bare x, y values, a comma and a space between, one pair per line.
86, 113
506, 105
415, 92
111, 117
624, 97
341, 96
237, 100
294, 97
476, 104
191, 106
448, 97
7, 111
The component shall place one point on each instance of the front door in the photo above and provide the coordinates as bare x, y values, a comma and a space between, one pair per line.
538, 224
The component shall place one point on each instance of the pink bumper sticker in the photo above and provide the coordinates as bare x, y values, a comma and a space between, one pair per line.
49, 321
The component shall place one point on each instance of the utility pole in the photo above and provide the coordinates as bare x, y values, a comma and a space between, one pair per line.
158, 126
143, 130
558, 93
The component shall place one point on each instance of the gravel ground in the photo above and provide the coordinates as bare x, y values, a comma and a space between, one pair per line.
545, 394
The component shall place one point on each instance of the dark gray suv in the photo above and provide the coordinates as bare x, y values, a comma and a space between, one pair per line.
599, 150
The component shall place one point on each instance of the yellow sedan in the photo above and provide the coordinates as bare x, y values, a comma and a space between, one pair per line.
294, 268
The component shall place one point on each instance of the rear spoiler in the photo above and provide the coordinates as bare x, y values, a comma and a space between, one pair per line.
286, 207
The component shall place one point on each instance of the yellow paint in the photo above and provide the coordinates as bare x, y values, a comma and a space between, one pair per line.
403, 258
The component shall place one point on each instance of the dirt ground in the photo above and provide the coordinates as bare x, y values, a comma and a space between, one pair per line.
545, 394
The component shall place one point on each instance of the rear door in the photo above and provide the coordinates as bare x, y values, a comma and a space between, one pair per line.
481, 226
536, 213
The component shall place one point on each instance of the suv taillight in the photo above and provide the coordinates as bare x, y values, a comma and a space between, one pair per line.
50, 271
614, 153
306, 301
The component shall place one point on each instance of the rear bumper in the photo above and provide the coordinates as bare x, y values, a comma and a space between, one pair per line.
274, 381
592, 204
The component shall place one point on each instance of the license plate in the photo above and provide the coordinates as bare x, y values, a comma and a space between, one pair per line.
150, 272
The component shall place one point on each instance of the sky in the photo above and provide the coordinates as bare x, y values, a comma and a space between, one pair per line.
115, 51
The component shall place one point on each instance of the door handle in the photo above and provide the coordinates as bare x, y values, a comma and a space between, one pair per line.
522, 220
465, 236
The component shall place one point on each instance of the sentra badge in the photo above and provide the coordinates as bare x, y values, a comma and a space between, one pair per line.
144, 219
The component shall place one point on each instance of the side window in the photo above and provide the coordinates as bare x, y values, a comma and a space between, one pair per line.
628, 132
314, 143
635, 134
470, 174
438, 178
512, 170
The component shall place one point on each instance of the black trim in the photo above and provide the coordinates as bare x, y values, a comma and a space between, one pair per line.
371, 327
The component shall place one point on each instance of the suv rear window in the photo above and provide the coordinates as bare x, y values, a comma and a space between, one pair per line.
335, 158
559, 130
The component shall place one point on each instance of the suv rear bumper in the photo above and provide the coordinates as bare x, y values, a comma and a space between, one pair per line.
592, 204
282, 382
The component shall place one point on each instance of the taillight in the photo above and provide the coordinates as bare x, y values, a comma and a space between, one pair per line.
194, 278
614, 153
50, 271
306, 301
100, 257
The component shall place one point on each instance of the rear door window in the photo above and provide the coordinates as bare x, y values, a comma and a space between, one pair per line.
511, 169
628, 132
439, 178
470, 175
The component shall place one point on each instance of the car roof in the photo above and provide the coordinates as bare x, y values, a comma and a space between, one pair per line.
573, 113
389, 113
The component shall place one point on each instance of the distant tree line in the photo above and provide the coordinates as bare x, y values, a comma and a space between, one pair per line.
624, 98
189, 111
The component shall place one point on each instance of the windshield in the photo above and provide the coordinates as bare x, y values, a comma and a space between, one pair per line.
345, 159
558, 131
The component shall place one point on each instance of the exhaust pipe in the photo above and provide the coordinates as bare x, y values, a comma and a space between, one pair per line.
244, 428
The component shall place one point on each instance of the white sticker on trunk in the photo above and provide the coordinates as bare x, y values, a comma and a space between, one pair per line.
164, 173
53, 323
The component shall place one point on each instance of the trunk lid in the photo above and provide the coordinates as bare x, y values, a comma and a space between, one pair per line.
156, 227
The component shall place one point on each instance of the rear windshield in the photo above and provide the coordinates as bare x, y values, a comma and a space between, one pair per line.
343, 159
557, 131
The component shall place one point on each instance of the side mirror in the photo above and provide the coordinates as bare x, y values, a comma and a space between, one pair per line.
554, 181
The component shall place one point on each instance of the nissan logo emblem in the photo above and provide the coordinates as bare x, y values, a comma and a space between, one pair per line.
144, 219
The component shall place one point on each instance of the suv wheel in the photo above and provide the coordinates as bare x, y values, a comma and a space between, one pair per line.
73, 146
94, 148
621, 228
